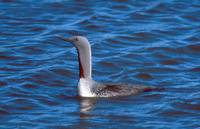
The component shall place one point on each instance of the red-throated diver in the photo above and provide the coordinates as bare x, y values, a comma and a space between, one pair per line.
87, 87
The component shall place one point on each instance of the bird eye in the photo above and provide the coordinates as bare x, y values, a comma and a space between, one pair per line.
76, 39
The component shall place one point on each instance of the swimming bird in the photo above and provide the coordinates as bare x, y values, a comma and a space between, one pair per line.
87, 87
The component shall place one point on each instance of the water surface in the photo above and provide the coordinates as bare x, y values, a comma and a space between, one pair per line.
144, 42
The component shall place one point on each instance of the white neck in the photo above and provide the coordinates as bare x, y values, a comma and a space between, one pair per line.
85, 69
84, 57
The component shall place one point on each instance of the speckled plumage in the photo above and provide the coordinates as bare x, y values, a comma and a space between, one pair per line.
113, 90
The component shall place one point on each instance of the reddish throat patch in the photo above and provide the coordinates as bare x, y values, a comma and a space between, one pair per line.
81, 71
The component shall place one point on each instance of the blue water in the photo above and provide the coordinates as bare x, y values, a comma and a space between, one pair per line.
144, 42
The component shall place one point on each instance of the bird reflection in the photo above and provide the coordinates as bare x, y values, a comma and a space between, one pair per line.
86, 105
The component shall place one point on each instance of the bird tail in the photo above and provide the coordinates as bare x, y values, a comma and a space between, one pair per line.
148, 89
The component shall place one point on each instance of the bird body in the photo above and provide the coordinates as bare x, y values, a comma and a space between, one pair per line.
91, 88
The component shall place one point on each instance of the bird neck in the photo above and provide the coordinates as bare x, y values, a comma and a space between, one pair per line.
84, 58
